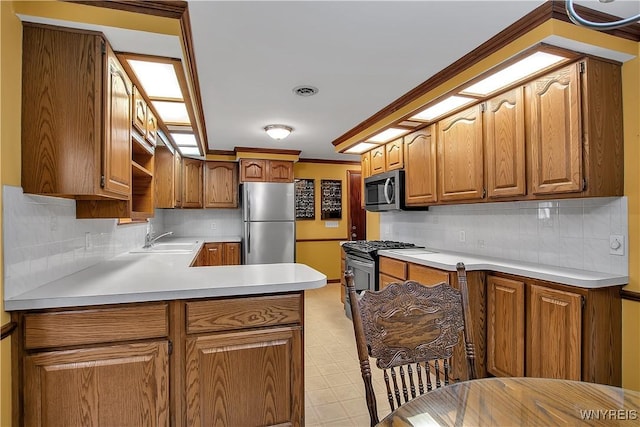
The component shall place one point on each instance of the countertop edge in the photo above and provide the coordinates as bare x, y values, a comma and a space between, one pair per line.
548, 273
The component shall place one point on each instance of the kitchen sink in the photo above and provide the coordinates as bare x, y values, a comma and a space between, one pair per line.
169, 247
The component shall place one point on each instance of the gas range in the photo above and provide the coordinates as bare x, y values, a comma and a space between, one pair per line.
369, 248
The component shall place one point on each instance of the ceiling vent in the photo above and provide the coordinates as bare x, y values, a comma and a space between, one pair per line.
305, 90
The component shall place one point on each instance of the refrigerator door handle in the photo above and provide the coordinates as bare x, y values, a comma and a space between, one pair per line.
248, 231
248, 205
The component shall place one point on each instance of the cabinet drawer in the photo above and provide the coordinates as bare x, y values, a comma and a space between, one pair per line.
393, 267
91, 326
427, 275
240, 313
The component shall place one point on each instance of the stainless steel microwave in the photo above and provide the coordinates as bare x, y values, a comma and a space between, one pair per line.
384, 191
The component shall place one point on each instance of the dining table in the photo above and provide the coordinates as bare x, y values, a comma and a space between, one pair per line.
520, 402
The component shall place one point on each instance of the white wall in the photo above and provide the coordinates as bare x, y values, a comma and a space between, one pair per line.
571, 233
202, 222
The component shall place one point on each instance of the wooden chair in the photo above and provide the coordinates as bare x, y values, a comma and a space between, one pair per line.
413, 329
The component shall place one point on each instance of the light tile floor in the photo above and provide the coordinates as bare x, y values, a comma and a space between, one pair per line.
334, 390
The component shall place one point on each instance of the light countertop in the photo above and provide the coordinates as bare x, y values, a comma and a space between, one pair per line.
445, 260
141, 277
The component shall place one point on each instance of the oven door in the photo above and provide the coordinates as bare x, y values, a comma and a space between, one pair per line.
364, 277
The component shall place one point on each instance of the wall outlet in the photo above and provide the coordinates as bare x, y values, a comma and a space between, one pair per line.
88, 241
213, 226
53, 223
616, 244
331, 224
462, 236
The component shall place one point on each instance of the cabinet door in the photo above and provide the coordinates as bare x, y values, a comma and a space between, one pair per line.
280, 171
554, 332
164, 178
253, 170
247, 378
213, 254
420, 167
192, 183
221, 185
116, 157
504, 144
123, 385
139, 111
460, 158
151, 132
505, 327
177, 185
555, 132
394, 155
231, 254
377, 160
365, 172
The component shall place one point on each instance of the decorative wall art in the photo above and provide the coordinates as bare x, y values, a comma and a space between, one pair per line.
331, 199
305, 199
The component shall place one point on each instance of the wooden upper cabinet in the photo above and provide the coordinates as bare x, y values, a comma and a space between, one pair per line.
76, 116
178, 179
378, 163
113, 385
139, 111
460, 156
505, 327
556, 132
151, 131
192, 183
262, 170
394, 155
221, 185
164, 178
420, 167
554, 334
505, 145
365, 172
117, 153
280, 171
253, 170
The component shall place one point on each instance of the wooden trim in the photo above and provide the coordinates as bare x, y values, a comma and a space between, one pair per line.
166, 9
266, 150
334, 280
630, 295
342, 239
333, 162
7, 329
221, 152
548, 10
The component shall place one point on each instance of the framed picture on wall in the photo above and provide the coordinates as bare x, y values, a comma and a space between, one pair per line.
330, 199
305, 199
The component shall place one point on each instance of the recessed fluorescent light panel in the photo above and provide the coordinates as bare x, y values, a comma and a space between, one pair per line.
517, 71
190, 151
443, 107
172, 112
387, 135
159, 80
360, 148
184, 139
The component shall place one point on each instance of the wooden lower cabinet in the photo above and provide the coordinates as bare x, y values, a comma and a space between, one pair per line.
208, 362
218, 253
247, 378
123, 385
554, 334
505, 327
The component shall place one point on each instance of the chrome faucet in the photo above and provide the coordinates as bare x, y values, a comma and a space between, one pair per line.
149, 241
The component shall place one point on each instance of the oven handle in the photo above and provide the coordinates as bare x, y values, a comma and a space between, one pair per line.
360, 263
387, 184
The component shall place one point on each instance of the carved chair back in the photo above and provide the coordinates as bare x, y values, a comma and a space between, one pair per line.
411, 331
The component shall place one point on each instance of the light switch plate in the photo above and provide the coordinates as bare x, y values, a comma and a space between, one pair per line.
616, 244
331, 224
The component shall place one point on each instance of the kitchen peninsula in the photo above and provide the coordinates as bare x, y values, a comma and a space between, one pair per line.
144, 339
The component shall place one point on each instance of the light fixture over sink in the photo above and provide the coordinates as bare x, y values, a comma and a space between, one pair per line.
278, 132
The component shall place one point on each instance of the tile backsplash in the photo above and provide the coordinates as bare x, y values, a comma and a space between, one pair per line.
43, 240
571, 233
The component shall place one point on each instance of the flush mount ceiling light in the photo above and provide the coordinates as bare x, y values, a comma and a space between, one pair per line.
578, 20
278, 132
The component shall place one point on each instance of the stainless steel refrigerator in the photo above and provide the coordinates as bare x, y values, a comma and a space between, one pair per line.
268, 212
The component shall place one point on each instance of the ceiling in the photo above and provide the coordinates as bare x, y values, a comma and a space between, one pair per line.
361, 55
